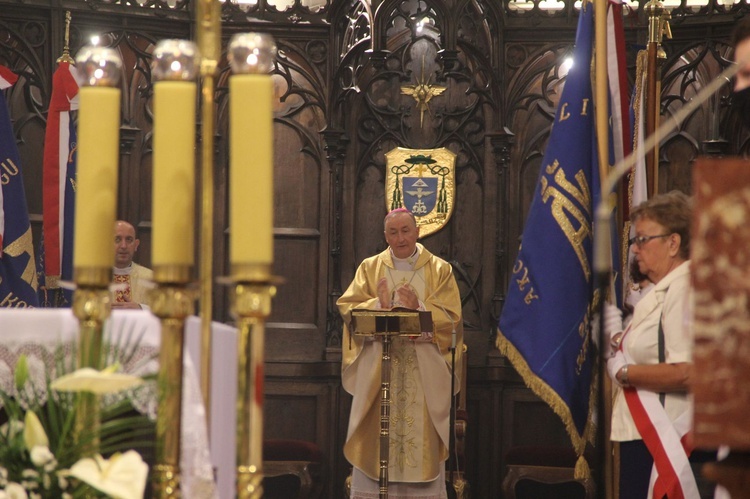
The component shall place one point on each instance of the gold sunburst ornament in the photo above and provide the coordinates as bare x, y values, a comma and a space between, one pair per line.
422, 92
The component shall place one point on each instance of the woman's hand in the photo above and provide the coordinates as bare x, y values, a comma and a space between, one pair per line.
615, 365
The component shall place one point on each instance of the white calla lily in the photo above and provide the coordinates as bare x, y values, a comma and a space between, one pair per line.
15, 491
100, 382
41, 455
33, 431
123, 476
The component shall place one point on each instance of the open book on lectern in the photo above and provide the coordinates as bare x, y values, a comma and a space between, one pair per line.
394, 322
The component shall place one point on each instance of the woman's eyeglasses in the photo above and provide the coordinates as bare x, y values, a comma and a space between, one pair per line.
641, 240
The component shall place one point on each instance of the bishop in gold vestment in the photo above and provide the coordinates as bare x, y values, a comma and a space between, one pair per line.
420, 369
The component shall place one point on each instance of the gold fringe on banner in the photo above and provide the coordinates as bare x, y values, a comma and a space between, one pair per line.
582, 470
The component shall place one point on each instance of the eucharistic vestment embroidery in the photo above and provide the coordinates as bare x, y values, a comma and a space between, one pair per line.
131, 283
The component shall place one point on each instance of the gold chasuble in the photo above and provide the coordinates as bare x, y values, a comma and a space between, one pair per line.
420, 370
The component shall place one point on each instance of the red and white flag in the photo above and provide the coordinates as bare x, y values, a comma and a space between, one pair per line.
618, 82
58, 173
638, 185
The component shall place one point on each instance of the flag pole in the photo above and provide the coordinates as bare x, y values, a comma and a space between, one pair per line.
658, 25
601, 91
208, 34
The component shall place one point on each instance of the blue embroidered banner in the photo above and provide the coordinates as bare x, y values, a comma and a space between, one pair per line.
544, 328
17, 265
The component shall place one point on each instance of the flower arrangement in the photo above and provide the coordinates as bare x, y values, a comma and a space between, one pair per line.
43, 454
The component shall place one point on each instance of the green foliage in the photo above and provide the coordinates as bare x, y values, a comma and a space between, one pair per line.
41, 470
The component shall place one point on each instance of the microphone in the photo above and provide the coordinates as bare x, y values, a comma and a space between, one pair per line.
452, 460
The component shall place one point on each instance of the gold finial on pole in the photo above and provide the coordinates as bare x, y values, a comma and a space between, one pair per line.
208, 22
251, 56
98, 154
175, 69
65, 57
658, 21
654, 10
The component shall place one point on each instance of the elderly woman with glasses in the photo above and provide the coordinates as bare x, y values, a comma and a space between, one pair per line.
651, 359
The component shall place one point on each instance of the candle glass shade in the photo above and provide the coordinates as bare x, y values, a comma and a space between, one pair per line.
96, 200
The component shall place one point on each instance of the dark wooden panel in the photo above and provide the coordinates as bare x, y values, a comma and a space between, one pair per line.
529, 421
296, 260
483, 433
305, 410
297, 182
300, 343
303, 403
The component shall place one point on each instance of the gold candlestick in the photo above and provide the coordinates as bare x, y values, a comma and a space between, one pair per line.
172, 303
98, 154
173, 205
251, 250
252, 306
91, 306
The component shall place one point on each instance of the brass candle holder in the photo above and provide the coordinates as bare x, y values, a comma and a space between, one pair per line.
251, 56
172, 302
175, 69
254, 289
91, 306
97, 186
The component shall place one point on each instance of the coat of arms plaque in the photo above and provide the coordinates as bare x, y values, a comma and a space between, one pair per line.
424, 182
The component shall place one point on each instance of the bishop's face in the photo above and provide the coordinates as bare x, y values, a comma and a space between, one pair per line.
401, 234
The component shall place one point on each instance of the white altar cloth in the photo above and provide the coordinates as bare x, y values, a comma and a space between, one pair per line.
38, 333
223, 398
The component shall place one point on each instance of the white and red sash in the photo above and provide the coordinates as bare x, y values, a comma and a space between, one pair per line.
666, 440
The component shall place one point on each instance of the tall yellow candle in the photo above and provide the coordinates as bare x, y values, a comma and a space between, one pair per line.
96, 180
251, 169
174, 173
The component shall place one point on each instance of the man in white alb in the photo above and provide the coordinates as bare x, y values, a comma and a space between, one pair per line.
132, 280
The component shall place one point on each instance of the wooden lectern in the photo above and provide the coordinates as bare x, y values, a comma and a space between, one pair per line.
383, 325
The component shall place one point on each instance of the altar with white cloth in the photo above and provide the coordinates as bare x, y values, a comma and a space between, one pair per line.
40, 333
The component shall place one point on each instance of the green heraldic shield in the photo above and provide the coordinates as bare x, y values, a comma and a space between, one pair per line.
424, 182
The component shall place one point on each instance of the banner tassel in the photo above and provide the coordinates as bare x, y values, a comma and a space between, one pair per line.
582, 470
